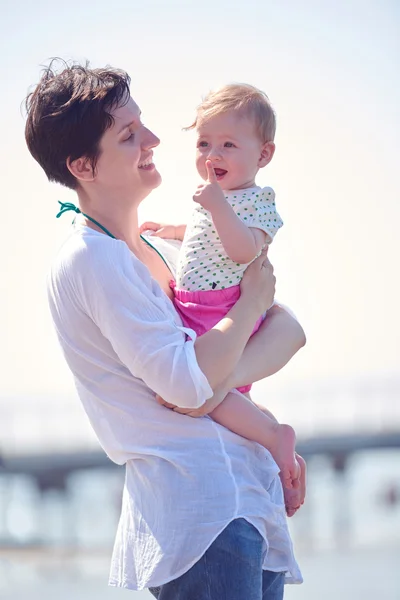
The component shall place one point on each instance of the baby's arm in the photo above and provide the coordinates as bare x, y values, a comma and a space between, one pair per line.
164, 230
241, 243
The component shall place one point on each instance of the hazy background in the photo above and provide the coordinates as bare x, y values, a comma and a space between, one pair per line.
331, 72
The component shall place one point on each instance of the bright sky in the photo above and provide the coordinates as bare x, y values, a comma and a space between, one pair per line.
331, 72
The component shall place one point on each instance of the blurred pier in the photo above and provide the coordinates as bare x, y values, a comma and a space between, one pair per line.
58, 486
51, 470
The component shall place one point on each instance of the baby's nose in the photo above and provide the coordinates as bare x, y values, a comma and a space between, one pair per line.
214, 153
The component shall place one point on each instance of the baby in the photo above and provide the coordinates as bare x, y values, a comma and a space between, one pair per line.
232, 220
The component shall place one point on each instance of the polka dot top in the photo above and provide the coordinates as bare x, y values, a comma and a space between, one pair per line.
203, 263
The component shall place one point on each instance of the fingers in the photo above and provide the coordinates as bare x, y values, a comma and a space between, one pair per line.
267, 265
303, 477
286, 479
263, 254
168, 405
165, 231
295, 498
164, 403
263, 260
190, 412
198, 192
182, 411
211, 176
187, 412
149, 225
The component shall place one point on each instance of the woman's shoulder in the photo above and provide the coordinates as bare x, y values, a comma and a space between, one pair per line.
87, 254
85, 244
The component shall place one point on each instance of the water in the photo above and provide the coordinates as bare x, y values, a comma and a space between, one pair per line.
370, 574
347, 536
346, 554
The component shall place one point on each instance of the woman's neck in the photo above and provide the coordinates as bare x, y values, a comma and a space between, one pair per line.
120, 219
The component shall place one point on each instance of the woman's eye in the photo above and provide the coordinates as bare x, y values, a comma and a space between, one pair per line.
229, 145
131, 137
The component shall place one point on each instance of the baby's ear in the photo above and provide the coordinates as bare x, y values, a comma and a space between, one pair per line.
267, 153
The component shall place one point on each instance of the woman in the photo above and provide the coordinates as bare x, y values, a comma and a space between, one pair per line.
202, 511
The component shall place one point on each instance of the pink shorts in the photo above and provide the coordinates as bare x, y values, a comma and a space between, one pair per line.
202, 310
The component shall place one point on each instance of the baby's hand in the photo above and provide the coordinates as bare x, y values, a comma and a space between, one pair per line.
209, 194
163, 230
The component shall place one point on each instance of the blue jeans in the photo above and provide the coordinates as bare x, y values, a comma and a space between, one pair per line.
231, 569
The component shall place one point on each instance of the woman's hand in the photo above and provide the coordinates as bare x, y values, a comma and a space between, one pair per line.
258, 282
205, 409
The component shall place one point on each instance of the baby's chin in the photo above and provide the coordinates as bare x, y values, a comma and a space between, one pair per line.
234, 186
229, 184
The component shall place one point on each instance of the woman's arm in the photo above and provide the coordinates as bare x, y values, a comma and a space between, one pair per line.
268, 350
116, 293
219, 350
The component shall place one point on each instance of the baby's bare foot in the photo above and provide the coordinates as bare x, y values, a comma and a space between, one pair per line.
294, 498
283, 451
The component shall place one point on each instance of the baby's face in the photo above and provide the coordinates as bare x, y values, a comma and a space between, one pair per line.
231, 143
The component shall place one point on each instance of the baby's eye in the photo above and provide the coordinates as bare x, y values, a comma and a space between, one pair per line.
202, 144
229, 145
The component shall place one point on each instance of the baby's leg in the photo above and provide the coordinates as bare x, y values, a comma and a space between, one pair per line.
241, 416
282, 449
294, 498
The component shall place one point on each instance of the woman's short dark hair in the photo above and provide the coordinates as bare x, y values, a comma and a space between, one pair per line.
68, 112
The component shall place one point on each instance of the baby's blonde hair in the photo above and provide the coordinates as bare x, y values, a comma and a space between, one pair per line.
246, 100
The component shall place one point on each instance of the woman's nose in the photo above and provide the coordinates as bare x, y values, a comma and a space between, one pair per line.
150, 140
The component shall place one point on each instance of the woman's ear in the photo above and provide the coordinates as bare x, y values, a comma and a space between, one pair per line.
267, 152
81, 168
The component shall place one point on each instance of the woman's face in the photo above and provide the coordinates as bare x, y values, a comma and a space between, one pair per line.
125, 167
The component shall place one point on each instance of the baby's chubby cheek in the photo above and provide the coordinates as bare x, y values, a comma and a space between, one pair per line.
201, 168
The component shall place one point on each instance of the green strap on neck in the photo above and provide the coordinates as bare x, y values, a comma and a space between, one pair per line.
67, 206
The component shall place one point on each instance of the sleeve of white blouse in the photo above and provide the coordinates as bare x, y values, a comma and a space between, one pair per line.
259, 210
133, 314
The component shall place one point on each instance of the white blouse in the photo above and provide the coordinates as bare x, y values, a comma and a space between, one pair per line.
186, 478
